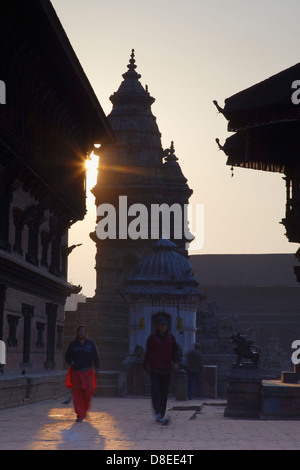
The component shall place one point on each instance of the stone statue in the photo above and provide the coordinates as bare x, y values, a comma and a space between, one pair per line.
245, 349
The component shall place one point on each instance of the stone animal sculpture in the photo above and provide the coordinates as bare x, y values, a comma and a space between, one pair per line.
245, 349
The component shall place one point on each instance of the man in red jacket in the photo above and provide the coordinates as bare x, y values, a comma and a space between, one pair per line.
162, 354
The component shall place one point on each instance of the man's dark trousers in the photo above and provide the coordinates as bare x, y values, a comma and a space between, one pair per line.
159, 391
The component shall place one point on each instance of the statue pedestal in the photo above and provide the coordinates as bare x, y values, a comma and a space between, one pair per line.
243, 392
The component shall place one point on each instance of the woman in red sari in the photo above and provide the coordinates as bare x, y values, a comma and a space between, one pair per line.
83, 359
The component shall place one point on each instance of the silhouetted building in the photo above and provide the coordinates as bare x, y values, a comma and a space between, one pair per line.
49, 123
265, 119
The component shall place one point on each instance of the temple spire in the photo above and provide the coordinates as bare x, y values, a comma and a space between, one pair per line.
172, 170
131, 92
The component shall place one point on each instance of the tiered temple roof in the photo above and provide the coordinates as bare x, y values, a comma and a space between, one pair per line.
265, 119
266, 124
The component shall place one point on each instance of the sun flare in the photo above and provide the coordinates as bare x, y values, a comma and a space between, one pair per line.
91, 163
91, 166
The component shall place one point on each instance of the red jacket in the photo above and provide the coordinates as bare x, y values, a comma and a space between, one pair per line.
161, 351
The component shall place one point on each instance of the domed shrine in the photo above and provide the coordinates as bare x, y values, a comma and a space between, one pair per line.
163, 286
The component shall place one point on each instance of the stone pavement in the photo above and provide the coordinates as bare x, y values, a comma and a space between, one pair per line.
127, 424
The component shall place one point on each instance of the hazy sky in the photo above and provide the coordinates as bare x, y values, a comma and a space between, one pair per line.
190, 52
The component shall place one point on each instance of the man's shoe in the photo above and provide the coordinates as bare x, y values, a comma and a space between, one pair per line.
79, 420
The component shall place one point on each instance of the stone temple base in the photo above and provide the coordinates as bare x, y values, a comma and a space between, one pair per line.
243, 392
280, 400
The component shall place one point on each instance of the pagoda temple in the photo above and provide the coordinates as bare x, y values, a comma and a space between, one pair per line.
133, 172
265, 119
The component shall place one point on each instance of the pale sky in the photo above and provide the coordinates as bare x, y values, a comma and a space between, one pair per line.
189, 53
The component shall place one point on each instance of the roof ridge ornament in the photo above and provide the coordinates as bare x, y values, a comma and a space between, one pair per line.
170, 153
131, 72
131, 65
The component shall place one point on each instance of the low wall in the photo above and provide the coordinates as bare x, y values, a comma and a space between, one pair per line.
20, 390
281, 400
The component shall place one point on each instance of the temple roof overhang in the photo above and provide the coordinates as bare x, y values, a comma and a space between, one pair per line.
38, 24
266, 123
266, 102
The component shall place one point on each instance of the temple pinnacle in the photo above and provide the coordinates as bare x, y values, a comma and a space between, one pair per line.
172, 157
131, 65
131, 73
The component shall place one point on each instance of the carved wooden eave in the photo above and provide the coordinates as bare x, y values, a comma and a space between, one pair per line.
45, 50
